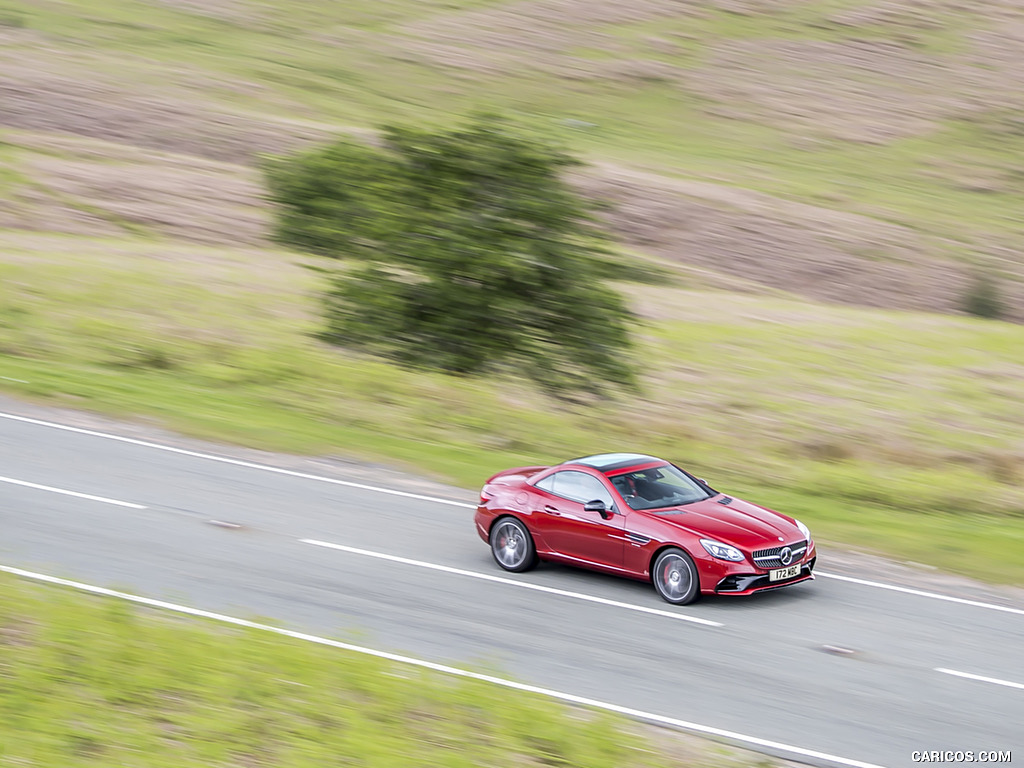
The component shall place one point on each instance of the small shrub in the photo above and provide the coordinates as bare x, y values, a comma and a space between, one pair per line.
1005, 468
983, 297
828, 450
140, 354
12, 19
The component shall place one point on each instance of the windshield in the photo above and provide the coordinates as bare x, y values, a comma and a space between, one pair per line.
658, 487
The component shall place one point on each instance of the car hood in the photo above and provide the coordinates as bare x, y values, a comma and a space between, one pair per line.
739, 523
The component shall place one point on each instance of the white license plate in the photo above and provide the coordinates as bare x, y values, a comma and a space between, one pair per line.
784, 573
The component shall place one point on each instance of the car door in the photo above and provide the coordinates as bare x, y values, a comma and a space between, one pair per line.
568, 529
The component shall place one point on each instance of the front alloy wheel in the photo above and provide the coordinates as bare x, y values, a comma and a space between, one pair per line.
512, 545
675, 577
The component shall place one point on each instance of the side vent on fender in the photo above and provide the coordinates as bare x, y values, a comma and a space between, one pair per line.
725, 500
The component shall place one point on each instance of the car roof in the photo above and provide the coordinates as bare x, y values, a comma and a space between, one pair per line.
608, 462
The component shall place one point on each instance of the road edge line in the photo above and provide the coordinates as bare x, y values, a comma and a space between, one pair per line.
636, 714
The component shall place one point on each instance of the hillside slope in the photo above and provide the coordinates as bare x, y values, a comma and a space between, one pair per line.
865, 153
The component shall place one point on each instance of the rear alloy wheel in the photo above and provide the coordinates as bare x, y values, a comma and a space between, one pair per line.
512, 545
675, 577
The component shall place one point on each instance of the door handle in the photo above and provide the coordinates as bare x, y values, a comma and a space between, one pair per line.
551, 510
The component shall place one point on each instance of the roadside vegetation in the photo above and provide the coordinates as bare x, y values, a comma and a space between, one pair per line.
90, 681
896, 432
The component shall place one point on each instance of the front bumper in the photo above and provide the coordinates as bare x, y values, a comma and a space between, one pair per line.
748, 583
722, 577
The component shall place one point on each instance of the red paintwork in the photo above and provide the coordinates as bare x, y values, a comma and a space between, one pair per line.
585, 539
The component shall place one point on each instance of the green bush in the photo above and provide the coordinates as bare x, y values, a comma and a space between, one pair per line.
472, 254
983, 298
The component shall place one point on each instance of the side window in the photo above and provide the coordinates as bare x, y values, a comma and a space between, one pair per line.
581, 487
594, 489
548, 483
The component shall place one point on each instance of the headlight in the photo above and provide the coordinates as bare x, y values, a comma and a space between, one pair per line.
803, 529
721, 551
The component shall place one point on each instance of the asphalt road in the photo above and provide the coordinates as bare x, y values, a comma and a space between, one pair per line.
412, 577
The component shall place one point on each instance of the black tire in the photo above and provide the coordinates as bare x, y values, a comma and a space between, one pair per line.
675, 577
512, 545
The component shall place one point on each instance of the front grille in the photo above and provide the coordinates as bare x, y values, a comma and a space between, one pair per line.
769, 558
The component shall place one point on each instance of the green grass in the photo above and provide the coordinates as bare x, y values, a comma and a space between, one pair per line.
892, 431
89, 681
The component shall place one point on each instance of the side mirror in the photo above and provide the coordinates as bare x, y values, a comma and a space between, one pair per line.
598, 506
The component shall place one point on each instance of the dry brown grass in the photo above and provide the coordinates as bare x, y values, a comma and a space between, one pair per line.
89, 187
912, 14
174, 120
175, 198
30, 207
225, 10
809, 251
866, 89
863, 91
539, 34
993, 73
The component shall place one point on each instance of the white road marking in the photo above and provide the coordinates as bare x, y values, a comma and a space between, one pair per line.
76, 494
454, 671
982, 678
922, 593
235, 462
434, 499
513, 582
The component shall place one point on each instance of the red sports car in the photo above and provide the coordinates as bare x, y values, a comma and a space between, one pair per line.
644, 518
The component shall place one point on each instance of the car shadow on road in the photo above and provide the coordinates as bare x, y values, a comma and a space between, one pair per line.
614, 587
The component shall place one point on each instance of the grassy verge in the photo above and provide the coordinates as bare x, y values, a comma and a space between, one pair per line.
94, 682
891, 431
